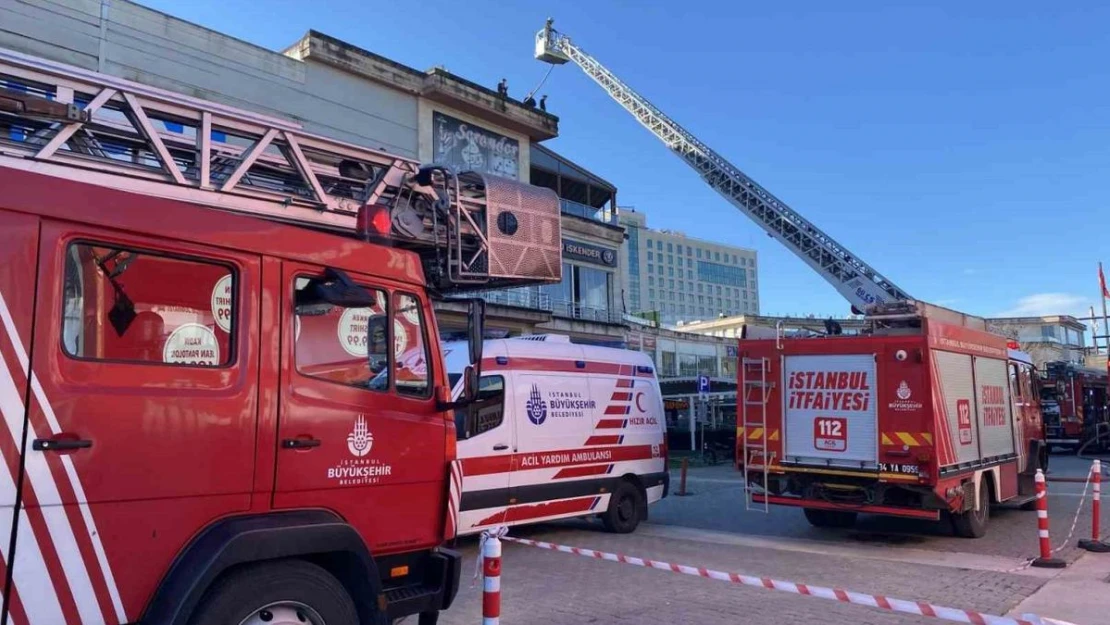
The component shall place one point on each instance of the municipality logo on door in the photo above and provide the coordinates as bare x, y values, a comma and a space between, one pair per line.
360, 440
535, 406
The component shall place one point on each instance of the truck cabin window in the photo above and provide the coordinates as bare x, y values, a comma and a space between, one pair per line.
346, 345
486, 413
410, 348
139, 306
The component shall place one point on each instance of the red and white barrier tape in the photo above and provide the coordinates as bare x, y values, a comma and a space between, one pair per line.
917, 608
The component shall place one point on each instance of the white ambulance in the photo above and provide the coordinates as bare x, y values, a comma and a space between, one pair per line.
560, 430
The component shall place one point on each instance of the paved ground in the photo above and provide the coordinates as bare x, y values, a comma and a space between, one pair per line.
909, 560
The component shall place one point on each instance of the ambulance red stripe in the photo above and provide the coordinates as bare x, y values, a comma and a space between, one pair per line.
606, 439
553, 508
624, 383
611, 424
621, 396
551, 365
612, 410
597, 469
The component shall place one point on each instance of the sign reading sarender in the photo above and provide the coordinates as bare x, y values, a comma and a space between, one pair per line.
465, 147
573, 250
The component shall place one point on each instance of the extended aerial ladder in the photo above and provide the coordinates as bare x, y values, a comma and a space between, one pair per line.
471, 230
857, 281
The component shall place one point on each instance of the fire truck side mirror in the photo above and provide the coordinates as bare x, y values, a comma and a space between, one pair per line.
476, 329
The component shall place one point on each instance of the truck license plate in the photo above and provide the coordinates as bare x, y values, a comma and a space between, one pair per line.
904, 469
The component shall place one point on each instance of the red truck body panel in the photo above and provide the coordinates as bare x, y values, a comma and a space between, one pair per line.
904, 418
174, 446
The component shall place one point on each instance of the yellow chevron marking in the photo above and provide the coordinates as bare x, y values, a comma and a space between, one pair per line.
756, 433
740, 432
774, 436
886, 439
907, 439
927, 437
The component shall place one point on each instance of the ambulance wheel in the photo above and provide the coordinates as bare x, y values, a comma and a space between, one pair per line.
626, 508
973, 523
291, 592
830, 518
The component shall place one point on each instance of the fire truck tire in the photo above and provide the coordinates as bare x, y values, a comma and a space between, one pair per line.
973, 523
830, 518
626, 507
284, 591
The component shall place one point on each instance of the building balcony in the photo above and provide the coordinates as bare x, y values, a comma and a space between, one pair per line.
530, 298
605, 214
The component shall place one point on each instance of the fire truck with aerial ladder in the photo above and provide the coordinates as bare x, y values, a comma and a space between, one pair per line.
926, 414
220, 373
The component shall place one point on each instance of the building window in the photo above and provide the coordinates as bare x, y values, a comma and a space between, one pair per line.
651, 280
649, 243
689, 274
670, 248
650, 259
117, 307
701, 298
651, 295
670, 272
659, 246
689, 251
670, 259
701, 288
660, 269
651, 268
723, 274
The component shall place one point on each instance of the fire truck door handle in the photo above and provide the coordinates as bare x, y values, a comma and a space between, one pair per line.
59, 444
500, 447
300, 443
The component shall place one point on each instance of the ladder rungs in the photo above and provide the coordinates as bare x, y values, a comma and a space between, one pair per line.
755, 403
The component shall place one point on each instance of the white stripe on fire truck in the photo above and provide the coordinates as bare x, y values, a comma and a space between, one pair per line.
42, 481
32, 580
82, 504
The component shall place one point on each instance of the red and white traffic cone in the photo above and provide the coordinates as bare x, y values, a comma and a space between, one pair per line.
491, 578
1094, 544
1046, 560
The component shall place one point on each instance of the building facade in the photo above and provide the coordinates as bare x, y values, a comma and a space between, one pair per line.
676, 278
339, 90
1053, 338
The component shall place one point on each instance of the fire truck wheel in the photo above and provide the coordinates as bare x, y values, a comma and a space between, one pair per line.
291, 592
626, 508
830, 518
973, 523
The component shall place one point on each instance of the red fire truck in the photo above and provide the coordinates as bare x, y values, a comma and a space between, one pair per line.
217, 378
926, 414
930, 413
1074, 403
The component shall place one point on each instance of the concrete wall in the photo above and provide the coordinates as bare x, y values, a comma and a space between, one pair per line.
147, 46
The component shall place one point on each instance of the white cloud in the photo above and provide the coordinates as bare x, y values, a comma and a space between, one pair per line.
1040, 304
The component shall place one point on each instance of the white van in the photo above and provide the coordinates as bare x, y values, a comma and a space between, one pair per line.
560, 430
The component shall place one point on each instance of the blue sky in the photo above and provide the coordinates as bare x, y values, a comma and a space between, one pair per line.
963, 149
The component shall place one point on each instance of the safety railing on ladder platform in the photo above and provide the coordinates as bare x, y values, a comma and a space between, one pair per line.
755, 392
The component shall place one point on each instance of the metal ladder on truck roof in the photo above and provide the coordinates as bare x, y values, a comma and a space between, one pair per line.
755, 393
471, 230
